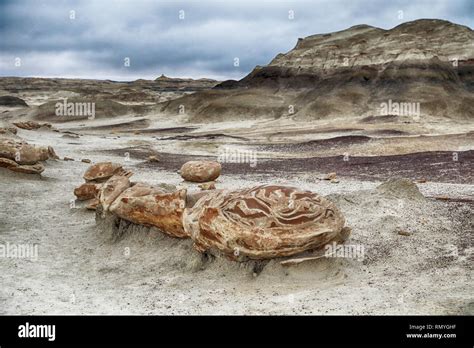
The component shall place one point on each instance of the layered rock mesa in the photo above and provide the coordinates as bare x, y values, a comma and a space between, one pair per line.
102, 87
351, 73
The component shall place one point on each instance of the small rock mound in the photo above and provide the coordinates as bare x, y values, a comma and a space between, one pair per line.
22, 153
31, 125
102, 171
400, 188
200, 171
207, 186
19, 156
86, 191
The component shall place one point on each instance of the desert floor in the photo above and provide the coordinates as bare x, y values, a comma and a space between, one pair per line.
81, 270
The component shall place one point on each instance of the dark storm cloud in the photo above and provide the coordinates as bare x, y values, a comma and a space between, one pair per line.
205, 43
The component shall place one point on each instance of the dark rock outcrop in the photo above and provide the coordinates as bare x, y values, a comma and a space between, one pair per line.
8, 100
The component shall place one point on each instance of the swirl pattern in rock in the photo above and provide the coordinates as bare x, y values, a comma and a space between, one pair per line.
262, 222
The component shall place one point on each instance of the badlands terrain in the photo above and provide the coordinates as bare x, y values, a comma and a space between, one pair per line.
340, 114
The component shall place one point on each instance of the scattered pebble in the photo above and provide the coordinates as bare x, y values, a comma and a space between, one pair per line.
207, 186
330, 176
404, 233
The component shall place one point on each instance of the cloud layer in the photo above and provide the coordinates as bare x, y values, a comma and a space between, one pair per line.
93, 39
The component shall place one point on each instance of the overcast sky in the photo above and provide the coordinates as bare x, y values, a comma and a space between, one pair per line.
93, 38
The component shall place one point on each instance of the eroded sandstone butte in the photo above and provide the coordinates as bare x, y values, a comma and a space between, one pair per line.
350, 73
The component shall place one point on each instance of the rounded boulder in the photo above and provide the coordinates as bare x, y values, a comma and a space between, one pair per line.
200, 171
